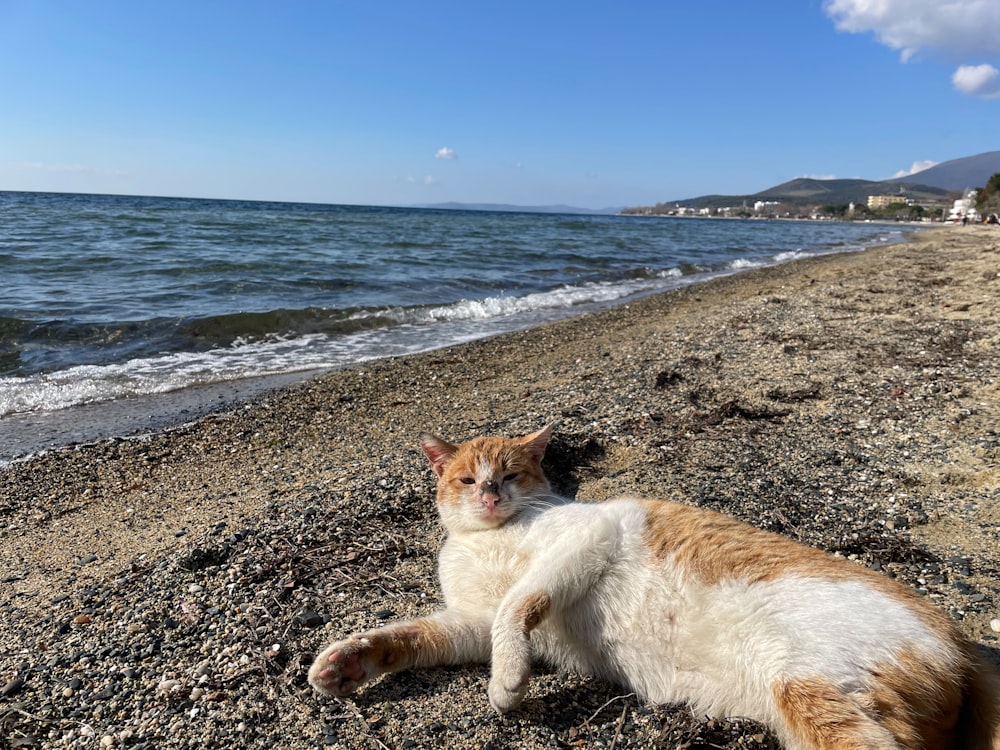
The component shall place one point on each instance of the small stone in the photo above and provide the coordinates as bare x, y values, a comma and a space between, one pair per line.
86, 560
12, 687
107, 741
995, 625
309, 618
169, 686
82, 619
194, 588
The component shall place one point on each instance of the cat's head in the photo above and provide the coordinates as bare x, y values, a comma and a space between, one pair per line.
485, 482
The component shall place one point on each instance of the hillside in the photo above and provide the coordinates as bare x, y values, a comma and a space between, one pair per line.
930, 185
958, 174
806, 191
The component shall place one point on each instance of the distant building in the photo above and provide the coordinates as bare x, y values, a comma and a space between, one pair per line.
884, 201
964, 208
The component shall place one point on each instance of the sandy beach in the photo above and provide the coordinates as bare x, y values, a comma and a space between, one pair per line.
170, 590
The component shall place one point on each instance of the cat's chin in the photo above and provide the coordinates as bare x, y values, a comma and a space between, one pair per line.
489, 519
492, 519
478, 520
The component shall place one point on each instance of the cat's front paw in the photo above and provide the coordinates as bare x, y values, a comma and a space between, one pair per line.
507, 689
342, 667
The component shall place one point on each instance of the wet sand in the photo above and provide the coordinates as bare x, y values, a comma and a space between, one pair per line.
170, 590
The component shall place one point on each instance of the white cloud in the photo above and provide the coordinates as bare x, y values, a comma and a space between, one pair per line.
978, 80
953, 30
817, 177
918, 166
959, 28
445, 153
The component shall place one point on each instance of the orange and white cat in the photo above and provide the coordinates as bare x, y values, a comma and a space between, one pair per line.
679, 604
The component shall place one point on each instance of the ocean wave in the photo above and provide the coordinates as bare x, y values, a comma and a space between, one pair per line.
84, 384
284, 341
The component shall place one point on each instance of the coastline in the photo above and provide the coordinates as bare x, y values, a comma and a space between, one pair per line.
134, 417
89, 408
849, 401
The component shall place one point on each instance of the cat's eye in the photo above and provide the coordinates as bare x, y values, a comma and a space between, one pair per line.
468, 480
510, 477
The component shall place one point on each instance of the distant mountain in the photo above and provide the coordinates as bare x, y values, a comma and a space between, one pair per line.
808, 190
932, 184
958, 174
805, 191
453, 206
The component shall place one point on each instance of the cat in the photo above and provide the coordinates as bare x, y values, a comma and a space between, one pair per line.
678, 604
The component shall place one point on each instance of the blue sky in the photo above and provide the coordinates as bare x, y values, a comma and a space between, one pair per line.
397, 102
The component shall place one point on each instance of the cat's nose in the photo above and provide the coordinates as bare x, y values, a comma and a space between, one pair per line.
489, 494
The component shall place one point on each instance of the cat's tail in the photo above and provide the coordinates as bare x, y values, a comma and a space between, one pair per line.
979, 722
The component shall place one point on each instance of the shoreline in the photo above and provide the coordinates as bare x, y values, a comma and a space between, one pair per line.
23, 435
134, 418
848, 400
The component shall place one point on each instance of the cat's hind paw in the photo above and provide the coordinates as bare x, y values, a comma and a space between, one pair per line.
506, 692
342, 667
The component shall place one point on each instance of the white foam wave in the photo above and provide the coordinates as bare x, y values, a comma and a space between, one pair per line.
790, 255
562, 298
744, 264
416, 329
160, 374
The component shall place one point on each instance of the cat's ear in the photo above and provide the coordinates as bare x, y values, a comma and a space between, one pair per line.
437, 450
537, 442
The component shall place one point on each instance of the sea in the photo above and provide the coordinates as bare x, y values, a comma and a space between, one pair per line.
122, 313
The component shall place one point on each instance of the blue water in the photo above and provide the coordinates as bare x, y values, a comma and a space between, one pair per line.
108, 297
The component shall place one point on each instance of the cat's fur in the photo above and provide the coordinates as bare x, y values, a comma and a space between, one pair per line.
679, 604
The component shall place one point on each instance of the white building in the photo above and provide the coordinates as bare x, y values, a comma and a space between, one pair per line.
964, 207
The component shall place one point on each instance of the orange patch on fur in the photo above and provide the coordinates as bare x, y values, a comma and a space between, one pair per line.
817, 715
910, 703
409, 644
531, 610
713, 548
918, 700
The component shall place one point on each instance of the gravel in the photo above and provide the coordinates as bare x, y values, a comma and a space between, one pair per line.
169, 590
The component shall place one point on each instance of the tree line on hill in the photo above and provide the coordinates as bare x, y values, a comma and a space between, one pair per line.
988, 197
